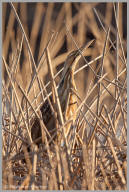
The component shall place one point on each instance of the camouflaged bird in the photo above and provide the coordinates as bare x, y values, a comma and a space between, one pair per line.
67, 97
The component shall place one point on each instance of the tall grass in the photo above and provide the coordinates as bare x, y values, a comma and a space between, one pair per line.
98, 158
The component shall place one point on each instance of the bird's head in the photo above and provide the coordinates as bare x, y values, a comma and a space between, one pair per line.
72, 59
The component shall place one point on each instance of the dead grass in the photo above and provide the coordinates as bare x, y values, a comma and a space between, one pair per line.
35, 35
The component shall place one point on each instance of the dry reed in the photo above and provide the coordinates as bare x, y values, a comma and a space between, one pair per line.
36, 42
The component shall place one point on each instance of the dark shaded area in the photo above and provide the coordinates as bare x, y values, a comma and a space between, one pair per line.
7, 15
125, 20
30, 15
21, 58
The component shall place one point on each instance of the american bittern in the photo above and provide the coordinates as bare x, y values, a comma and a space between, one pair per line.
67, 97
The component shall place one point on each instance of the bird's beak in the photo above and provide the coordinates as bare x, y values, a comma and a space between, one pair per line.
84, 47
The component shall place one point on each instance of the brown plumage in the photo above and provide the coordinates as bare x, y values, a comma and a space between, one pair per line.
67, 97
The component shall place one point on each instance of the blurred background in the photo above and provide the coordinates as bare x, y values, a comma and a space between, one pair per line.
41, 19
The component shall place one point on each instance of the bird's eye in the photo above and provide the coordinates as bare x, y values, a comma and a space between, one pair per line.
71, 54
